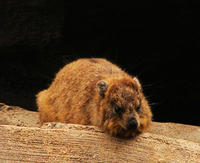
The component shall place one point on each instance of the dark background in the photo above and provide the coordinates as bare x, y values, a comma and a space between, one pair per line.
158, 41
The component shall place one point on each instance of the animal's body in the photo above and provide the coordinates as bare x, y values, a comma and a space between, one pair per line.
96, 92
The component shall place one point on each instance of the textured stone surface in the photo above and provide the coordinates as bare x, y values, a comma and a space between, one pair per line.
13, 115
21, 139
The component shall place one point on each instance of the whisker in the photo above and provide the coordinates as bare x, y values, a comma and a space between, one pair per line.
147, 85
153, 104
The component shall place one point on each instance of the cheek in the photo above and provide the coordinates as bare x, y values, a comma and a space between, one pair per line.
138, 119
145, 121
145, 116
112, 127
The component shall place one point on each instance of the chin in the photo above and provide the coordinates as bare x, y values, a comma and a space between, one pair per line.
121, 132
127, 134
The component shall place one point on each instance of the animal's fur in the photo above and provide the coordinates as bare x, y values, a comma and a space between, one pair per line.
86, 92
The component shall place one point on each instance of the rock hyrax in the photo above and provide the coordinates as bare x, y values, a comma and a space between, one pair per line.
96, 92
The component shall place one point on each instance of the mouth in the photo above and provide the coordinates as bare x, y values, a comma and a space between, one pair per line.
124, 132
120, 130
127, 134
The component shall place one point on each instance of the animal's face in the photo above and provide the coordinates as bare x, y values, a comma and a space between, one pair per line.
125, 111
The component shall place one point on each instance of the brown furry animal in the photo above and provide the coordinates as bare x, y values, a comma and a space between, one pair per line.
96, 92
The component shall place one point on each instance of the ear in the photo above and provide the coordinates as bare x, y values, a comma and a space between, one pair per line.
137, 81
102, 87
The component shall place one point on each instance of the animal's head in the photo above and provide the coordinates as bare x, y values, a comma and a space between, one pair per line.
124, 109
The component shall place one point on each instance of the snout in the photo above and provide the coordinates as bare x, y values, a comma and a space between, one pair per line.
132, 124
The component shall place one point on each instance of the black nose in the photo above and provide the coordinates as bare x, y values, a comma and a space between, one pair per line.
132, 124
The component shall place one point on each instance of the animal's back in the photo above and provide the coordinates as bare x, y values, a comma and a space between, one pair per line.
73, 89
82, 75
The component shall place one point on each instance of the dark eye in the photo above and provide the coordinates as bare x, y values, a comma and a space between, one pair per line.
118, 110
138, 108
